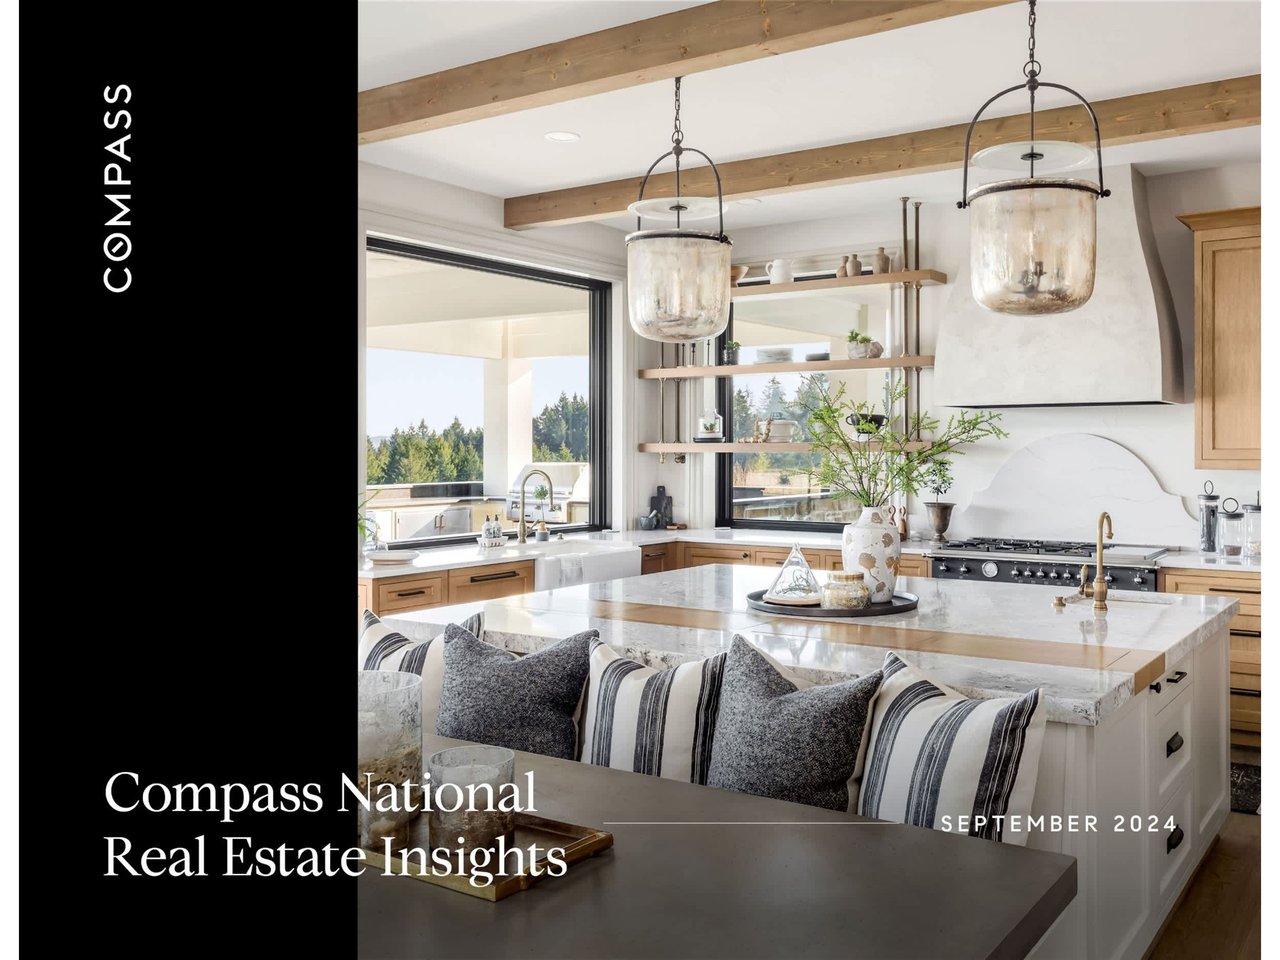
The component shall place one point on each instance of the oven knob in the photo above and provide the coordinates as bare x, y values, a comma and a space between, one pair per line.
1039, 573
943, 568
1137, 579
1108, 578
1015, 572
1053, 574
964, 568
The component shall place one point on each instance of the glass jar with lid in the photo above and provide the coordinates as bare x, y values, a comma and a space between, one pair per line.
1231, 530
845, 590
1208, 502
1252, 531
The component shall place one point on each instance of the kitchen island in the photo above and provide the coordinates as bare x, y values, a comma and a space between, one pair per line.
1136, 699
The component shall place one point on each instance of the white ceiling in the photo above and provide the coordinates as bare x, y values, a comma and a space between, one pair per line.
913, 78
400, 39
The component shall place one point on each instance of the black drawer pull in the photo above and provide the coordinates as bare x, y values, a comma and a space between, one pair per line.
1156, 686
1246, 633
1174, 745
1239, 692
745, 555
1175, 840
1177, 677
654, 556
1233, 590
505, 575
410, 593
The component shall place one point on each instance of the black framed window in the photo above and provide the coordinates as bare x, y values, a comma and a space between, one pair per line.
477, 372
768, 488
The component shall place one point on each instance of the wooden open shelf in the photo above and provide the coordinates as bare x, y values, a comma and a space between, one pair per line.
760, 291
740, 447
794, 366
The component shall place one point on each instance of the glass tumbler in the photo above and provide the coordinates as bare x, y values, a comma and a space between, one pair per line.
389, 752
478, 773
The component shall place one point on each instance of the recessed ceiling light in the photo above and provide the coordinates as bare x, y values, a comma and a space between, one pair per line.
750, 201
562, 136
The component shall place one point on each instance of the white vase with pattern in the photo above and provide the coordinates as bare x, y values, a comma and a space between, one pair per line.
871, 545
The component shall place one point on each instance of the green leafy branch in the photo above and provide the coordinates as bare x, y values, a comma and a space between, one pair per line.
886, 463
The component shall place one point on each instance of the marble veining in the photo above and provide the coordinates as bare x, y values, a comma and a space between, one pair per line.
1162, 623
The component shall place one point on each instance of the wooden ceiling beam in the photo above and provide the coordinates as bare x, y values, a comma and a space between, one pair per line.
1199, 108
687, 41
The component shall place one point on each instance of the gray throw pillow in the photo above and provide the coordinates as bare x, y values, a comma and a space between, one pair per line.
777, 740
523, 703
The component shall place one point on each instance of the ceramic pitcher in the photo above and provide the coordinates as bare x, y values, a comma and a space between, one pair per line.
779, 271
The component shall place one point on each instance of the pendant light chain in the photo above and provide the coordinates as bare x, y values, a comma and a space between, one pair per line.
677, 148
1031, 70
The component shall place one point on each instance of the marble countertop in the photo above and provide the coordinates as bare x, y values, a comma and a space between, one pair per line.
1195, 560
984, 639
431, 559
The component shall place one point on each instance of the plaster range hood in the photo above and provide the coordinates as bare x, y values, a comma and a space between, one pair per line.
1122, 347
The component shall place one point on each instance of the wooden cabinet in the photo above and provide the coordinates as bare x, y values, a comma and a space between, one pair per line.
1246, 641
700, 554
490, 582
777, 556
697, 554
658, 558
412, 592
1228, 291
913, 565
418, 591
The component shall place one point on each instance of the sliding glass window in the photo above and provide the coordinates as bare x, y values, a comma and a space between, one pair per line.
477, 372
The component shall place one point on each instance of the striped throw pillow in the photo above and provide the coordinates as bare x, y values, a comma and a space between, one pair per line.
651, 721
382, 648
934, 752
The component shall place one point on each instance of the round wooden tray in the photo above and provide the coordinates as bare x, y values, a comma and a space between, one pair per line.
901, 603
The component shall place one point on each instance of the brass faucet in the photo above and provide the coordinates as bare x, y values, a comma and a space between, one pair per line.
550, 493
1097, 589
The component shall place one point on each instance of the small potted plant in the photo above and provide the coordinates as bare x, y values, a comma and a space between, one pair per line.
729, 355
938, 480
859, 345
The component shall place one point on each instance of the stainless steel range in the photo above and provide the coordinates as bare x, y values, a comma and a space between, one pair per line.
1046, 562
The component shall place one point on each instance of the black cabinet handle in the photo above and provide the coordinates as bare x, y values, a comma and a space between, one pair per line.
1233, 590
1178, 677
505, 575
1174, 745
1246, 633
410, 593
1175, 840
1246, 693
745, 555
1156, 686
654, 556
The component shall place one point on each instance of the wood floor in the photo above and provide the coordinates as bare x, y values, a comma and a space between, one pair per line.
1220, 916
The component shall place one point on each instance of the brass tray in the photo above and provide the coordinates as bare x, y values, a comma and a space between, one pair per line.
900, 603
579, 843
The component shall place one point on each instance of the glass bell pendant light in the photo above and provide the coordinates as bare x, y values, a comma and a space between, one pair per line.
678, 279
1033, 240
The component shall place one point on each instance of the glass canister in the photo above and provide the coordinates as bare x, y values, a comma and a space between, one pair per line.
1208, 518
1231, 529
1253, 531
845, 591
389, 752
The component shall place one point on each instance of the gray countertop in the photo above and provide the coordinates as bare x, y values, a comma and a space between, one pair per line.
700, 872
